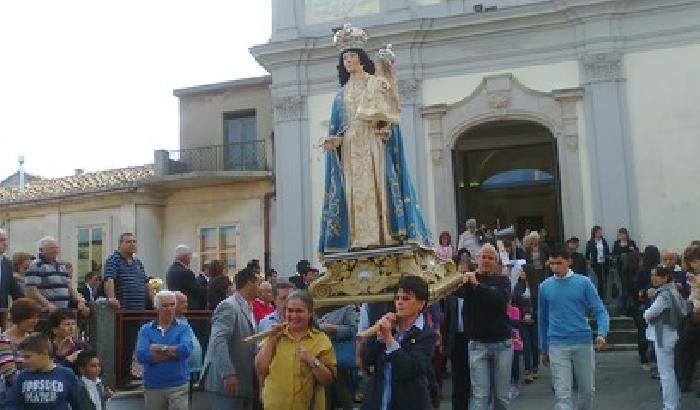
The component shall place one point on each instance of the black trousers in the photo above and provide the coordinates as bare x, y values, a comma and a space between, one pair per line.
642, 342
687, 353
601, 274
461, 383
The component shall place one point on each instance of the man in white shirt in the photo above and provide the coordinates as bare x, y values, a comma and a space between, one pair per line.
469, 239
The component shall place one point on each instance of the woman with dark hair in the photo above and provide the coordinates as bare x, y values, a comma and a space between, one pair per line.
369, 198
464, 261
642, 283
598, 253
220, 285
525, 297
622, 246
401, 353
297, 360
445, 249
665, 316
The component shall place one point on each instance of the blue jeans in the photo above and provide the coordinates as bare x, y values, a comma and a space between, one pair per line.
490, 361
531, 350
581, 358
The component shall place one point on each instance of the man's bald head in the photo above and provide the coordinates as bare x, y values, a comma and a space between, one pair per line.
487, 259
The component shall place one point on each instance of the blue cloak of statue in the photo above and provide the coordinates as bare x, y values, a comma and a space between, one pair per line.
406, 222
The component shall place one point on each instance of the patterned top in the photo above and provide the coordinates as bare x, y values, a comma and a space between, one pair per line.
51, 279
129, 280
8, 361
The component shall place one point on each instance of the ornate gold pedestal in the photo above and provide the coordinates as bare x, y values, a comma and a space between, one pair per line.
371, 275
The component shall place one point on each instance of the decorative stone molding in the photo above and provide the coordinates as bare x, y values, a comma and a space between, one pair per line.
408, 91
499, 100
288, 108
601, 67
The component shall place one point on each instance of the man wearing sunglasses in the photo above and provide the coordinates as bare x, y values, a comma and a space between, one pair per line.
565, 336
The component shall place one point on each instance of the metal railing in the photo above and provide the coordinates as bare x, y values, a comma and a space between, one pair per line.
239, 156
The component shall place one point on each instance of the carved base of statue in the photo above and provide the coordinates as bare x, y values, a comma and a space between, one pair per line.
370, 275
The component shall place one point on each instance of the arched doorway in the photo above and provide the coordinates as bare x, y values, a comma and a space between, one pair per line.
507, 173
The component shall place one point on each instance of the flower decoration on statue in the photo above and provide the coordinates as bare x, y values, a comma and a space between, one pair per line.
350, 37
387, 54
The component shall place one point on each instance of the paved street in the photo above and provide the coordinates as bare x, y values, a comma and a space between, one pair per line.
621, 385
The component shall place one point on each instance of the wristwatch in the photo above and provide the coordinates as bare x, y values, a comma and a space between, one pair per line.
316, 363
164, 349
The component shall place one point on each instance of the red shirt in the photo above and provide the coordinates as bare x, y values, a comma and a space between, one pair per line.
261, 309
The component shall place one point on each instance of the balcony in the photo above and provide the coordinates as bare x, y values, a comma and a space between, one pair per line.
243, 160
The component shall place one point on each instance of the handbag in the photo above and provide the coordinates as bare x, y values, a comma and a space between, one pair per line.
344, 353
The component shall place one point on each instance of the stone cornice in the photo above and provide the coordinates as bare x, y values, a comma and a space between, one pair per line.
537, 33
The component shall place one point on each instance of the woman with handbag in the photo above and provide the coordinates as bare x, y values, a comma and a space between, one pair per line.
341, 325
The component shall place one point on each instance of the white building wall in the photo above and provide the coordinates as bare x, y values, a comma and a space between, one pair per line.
663, 90
149, 231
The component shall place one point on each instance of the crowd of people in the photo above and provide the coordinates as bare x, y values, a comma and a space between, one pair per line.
523, 303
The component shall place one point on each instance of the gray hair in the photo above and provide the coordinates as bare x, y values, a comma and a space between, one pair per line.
532, 236
162, 294
488, 246
471, 222
46, 240
182, 250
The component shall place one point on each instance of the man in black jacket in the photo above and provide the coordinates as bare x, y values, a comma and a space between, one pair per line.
8, 284
578, 261
486, 324
181, 278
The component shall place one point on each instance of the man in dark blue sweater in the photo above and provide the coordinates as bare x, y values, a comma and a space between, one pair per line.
486, 325
43, 385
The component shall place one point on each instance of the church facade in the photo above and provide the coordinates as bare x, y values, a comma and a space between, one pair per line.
556, 114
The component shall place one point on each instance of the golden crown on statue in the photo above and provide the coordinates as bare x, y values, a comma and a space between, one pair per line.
349, 37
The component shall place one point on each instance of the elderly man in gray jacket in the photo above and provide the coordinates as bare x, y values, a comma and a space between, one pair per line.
228, 374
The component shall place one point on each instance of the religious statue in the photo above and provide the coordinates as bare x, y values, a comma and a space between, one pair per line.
369, 200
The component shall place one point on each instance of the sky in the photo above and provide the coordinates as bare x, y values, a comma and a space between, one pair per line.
88, 84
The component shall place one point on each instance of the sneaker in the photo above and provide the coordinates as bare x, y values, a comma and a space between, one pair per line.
535, 376
514, 392
646, 367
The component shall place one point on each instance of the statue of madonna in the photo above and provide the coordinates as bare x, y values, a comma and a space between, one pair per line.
369, 199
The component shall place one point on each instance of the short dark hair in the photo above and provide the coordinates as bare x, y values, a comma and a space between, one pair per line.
245, 276
35, 343
90, 275
84, 358
692, 253
281, 285
573, 239
23, 309
124, 235
59, 316
416, 285
664, 271
303, 267
651, 257
560, 252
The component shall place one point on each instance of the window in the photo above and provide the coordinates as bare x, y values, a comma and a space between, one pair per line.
90, 251
242, 150
221, 243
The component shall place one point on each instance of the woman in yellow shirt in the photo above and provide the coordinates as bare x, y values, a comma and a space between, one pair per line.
297, 360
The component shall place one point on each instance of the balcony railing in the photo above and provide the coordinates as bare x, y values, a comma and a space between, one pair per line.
240, 156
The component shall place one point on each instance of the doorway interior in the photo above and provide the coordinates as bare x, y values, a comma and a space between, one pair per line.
507, 173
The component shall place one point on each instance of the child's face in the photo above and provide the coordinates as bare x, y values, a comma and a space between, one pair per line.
92, 369
65, 328
34, 360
